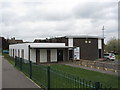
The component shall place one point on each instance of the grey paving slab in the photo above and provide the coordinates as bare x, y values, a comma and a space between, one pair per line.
13, 78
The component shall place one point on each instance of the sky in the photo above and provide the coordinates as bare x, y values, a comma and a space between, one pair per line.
38, 19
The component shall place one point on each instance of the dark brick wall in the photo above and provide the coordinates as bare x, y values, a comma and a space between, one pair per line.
87, 50
4, 44
0, 44
65, 54
102, 48
58, 40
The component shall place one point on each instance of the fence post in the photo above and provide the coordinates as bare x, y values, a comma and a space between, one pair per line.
15, 60
97, 86
30, 62
21, 64
48, 77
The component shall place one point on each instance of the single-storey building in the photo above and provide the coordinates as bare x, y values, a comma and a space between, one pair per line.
60, 49
40, 52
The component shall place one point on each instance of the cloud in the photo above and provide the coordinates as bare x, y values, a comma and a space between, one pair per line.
45, 18
96, 10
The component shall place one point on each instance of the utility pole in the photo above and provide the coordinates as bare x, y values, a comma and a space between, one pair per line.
103, 31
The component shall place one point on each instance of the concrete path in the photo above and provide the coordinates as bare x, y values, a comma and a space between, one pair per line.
12, 78
93, 69
73, 64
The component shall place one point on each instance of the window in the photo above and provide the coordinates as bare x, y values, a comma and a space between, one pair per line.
86, 41
89, 41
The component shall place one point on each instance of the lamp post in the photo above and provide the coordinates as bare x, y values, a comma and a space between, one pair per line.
103, 37
103, 31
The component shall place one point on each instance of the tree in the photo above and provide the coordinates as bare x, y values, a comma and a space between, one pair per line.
112, 45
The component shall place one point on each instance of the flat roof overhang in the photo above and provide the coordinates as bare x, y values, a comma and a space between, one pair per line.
49, 47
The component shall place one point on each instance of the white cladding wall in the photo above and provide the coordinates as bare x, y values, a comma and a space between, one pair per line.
19, 47
35, 45
53, 55
70, 42
33, 55
43, 55
99, 44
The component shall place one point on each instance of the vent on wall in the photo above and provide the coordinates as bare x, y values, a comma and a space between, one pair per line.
87, 41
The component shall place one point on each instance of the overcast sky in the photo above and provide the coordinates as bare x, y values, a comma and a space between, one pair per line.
30, 19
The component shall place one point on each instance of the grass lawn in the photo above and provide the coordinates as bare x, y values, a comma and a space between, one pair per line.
105, 79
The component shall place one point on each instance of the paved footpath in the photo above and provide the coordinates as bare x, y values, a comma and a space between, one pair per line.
88, 68
12, 78
93, 69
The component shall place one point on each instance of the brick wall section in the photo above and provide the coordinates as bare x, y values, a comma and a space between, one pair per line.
87, 50
102, 48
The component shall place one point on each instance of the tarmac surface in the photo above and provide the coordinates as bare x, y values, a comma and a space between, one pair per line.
13, 78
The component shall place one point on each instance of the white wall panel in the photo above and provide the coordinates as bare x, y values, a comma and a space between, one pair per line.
43, 55
99, 44
53, 55
70, 42
33, 55
19, 47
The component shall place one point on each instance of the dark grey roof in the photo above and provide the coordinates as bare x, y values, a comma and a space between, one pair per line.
82, 36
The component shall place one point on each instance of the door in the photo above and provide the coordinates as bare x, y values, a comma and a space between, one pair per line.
18, 53
48, 55
70, 54
13, 53
100, 53
37, 56
60, 55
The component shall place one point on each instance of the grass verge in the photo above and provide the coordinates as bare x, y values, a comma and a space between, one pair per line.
10, 59
106, 79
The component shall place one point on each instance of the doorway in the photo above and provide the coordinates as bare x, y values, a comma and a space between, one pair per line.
48, 55
13, 53
70, 54
100, 55
60, 55
37, 56
18, 53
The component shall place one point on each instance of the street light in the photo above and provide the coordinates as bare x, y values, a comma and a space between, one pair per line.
103, 31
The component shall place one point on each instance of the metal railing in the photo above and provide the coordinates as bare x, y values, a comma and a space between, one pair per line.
49, 77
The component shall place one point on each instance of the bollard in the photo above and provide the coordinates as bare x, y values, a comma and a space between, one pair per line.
21, 64
15, 60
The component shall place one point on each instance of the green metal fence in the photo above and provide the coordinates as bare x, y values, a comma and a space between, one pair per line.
52, 78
